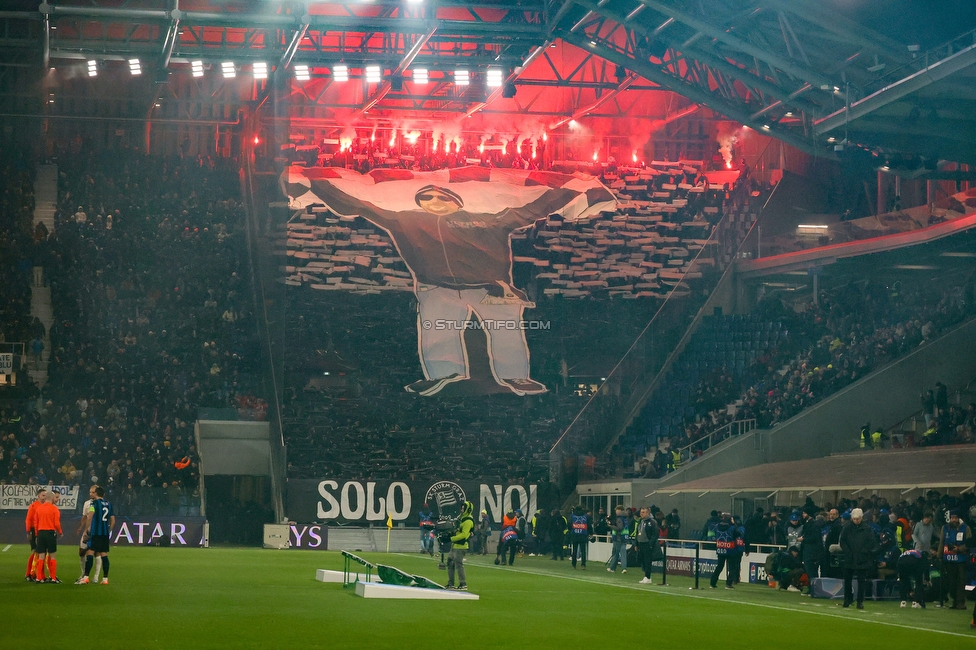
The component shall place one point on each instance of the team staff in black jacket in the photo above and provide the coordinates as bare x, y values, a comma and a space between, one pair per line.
860, 548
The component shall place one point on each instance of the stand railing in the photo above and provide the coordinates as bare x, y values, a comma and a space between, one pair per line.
731, 430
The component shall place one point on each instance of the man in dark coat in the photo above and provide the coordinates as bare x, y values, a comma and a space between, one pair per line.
811, 548
860, 548
558, 527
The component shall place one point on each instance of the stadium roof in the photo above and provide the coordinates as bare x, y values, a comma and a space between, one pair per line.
896, 80
933, 468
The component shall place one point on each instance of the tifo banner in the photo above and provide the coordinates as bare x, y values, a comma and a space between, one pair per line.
452, 228
19, 497
366, 502
128, 531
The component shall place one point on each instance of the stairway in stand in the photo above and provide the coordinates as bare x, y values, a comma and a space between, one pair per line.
45, 204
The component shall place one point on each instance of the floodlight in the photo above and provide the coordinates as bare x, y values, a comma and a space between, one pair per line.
93, 68
373, 74
301, 72
462, 77
197, 67
420, 76
260, 70
340, 72
135, 68
228, 70
494, 77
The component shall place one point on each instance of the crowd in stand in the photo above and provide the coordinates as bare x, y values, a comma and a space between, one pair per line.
153, 320
364, 155
347, 367
812, 536
852, 332
21, 247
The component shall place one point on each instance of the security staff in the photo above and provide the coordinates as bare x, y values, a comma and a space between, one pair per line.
876, 439
955, 555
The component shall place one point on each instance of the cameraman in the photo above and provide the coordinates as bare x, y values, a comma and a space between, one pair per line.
459, 547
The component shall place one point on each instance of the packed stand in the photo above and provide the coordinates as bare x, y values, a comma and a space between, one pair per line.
908, 533
347, 413
770, 365
658, 243
152, 322
347, 366
22, 247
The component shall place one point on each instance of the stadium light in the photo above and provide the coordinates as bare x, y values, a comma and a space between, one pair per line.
260, 70
197, 67
301, 72
135, 68
420, 76
373, 74
462, 77
494, 77
340, 72
228, 70
93, 68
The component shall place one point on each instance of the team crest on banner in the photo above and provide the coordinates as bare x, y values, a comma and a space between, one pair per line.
446, 495
452, 229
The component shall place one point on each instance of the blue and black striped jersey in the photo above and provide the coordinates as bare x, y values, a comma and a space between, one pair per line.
101, 517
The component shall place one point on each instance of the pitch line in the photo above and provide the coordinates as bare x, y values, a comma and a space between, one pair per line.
665, 592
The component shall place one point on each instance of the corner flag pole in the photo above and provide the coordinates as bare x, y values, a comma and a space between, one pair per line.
389, 529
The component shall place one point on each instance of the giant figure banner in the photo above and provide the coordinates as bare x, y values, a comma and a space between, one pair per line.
453, 229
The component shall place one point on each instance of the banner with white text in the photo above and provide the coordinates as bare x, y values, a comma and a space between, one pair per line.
372, 502
19, 497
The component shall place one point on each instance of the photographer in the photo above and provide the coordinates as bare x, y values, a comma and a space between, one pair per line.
580, 530
459, 547
508, 539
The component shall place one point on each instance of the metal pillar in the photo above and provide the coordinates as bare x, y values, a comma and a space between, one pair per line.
880, 206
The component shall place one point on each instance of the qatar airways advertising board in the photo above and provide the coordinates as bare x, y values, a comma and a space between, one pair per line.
128, 531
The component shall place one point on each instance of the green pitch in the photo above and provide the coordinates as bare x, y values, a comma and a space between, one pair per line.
253, 598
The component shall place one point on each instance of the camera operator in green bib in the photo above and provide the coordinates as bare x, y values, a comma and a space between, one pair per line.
459, 547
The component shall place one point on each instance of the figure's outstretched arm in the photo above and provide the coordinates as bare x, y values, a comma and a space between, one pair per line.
557, 200
342, 203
